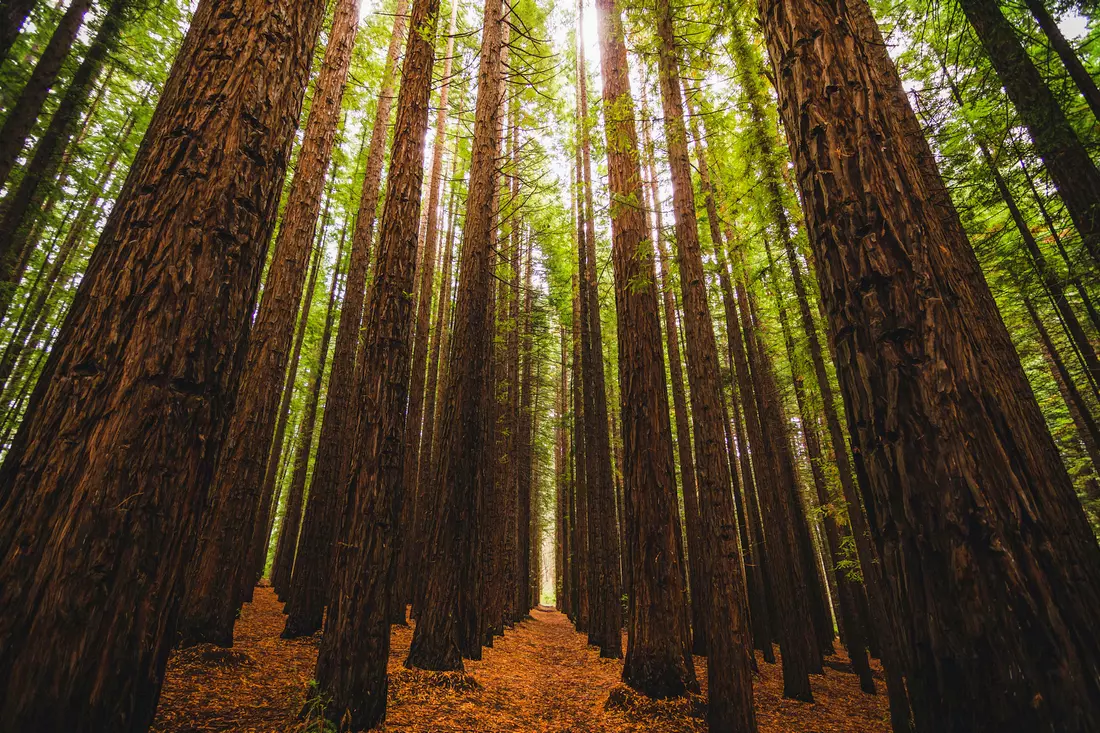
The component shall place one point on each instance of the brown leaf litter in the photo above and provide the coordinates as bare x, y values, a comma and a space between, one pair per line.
541, 677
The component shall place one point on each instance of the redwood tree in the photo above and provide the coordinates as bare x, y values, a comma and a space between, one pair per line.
986, 551
105, 483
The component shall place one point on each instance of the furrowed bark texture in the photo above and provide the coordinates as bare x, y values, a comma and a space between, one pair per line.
219, 574
449, 564
309, 586
351, 665
729, 642
105, 484
986, 551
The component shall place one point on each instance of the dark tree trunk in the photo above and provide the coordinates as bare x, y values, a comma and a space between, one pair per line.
309, 586
141, 382
1077, 71
351, 666
24, 201
1073, 172
728, 635
13, 14
581, 565
283, 565
659, 660
24, 112
790, 586
696, 546
605, 584
220, 573
451, 566
417, 396
921, 351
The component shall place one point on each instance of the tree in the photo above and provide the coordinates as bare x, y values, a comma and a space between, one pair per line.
922, 334
220, 574
134, 390
309, 586
450, 564
351, 666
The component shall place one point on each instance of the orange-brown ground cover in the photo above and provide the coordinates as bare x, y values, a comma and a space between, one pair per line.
541, 677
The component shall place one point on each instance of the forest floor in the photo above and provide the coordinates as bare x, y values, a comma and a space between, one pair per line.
541, 676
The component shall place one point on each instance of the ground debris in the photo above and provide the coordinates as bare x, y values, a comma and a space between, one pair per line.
540, 677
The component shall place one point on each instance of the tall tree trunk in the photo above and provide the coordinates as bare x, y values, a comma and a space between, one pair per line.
729, 639
219, 573
283, 564
426, 278
449, 565
24, 112
922, 351
13, 14
351, 666
581, 565
696, 545
309, 585
525, 454
141, 382
605, 588
1077, 71
25, 200
1072, 170
423, 509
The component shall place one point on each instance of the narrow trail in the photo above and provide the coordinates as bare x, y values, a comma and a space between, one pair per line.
540, 677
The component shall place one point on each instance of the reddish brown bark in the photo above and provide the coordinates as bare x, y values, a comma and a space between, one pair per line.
24, 111
220, 574
309, 585
921, 351
605, 584
351, 666
728, 637
450, 563
426, 281
141, 381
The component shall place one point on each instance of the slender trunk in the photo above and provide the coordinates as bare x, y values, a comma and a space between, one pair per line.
450, 564
133, 391
351, 666
605, 628
581, 565
921, 350
13, 14
313, 561
1077, 71
24, 201
220, 573
24, 112
283, 565
1079, 411
417, 395
424, 494
696, 545
1072, 170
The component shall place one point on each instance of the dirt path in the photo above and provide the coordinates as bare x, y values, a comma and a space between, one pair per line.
540, 677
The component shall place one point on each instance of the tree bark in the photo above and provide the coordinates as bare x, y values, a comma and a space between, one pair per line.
351, 665
309, 585
141, 381
25, 200
1077, 71
605, 588
24, 112
417, 396
1073, 172
13, 14
283, 564
220, 573
450, 565
922, 352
